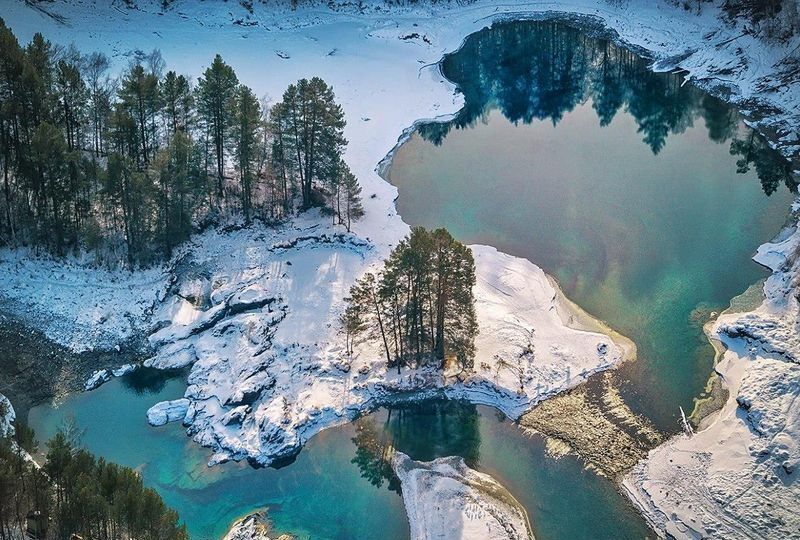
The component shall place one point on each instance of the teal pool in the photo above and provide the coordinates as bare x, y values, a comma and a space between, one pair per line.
620, 182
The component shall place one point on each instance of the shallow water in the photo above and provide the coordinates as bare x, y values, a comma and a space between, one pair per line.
338, 487
619, 182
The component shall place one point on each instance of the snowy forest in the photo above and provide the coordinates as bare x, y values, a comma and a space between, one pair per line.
127, 167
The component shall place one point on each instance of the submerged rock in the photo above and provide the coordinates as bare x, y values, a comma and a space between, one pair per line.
446, 499
167, 411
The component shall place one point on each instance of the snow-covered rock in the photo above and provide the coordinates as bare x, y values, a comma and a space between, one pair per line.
7, 417
253, 527
739, 478
446, 499
97, 378
124, 370
102, 376
268, 365
167, 411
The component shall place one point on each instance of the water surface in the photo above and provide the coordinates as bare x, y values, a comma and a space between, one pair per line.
621, 183
339, 488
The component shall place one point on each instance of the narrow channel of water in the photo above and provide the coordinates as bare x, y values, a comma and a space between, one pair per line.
620, 182
339, 488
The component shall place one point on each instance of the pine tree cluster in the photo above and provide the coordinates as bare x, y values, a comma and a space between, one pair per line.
75, 493
127, 167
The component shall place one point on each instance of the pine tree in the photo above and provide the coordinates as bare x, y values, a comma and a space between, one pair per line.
350, 191
216, 91
178, 102
248, 124
422, 302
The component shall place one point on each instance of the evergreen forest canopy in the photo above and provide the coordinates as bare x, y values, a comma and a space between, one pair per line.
76, 493
542, 70
127, 167
420, 307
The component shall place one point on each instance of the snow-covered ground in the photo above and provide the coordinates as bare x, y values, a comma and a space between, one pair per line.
7, 418
255, 317
740, 476
446, 499
268, 368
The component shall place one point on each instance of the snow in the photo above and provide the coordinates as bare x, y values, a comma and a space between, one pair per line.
268, 369
446, 499
738, 478
268, 363
80, 307
7, 418
253, 527
97, 378
167, 411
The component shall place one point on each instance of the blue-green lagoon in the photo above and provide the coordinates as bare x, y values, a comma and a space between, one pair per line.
339, 487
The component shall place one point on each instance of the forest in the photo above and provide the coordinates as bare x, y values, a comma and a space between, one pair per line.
126, 167
421, 305
74, 493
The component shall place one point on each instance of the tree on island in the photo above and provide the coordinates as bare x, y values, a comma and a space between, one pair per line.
421, 305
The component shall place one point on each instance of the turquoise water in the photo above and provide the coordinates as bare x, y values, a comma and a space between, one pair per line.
338, 488
619, 182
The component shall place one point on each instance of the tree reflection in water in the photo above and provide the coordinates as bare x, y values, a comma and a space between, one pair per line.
424, 430
544, 69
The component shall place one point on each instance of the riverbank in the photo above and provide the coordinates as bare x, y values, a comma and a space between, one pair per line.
35, 368
738, 476
446, 499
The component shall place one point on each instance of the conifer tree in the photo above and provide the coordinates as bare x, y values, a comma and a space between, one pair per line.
216, 91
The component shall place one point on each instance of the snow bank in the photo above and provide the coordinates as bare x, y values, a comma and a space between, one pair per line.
7, 418
75, 305
167, 411
446, 499
739, 477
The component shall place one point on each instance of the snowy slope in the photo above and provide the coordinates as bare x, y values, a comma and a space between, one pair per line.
385, 84
269, 368
739, 477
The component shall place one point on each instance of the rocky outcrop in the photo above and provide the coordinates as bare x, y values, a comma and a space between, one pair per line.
446, 499
268, 366
167, 411
254, 527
